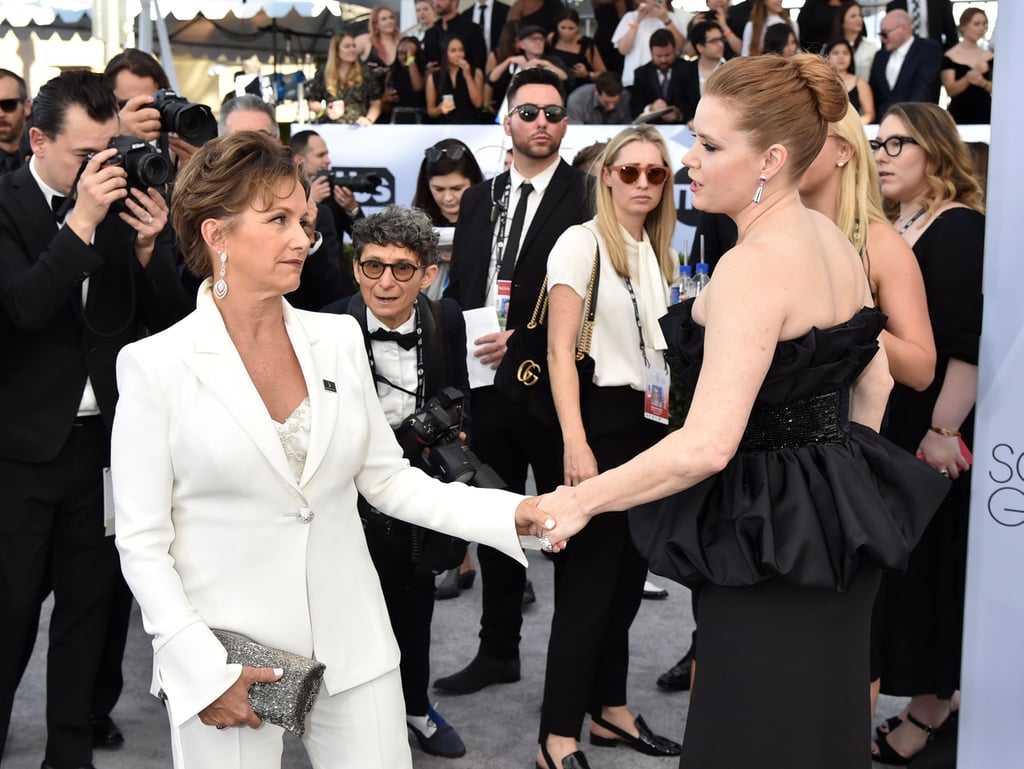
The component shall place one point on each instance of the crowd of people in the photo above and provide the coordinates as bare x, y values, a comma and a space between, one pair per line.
915, 51
178, 361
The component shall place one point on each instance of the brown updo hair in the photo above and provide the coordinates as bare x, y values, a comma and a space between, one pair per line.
224, 178
782, 101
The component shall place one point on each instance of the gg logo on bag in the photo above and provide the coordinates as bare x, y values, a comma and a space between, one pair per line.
528, 373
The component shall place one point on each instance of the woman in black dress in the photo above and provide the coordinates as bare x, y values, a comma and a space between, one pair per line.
455, 92
777, 497
967, 72
405, 85
579, 53
927, 176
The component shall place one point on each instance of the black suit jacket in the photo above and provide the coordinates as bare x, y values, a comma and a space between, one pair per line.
683, 88
564, 204
941, 24
499, 16
918, 79
50, 343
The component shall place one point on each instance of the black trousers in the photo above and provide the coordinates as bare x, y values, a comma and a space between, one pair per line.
410, 602
52, 539
510, 441
598, 580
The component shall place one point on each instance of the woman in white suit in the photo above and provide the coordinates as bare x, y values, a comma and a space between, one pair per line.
243, 435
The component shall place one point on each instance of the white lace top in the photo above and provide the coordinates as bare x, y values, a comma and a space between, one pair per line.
294, 435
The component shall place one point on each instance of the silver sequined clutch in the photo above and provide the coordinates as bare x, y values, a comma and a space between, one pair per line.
286, 702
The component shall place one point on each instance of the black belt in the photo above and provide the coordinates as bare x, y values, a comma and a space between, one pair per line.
88, 420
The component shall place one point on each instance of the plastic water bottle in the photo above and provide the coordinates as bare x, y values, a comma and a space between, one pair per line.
682, 287
701, 278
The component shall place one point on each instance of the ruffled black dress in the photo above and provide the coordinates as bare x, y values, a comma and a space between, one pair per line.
785, 546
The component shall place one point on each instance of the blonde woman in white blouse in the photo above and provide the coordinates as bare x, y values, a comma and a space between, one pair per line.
599, 580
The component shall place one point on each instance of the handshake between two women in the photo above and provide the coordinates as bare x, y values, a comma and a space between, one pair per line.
553, 518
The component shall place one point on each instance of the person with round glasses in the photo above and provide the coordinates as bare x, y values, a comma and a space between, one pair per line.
929, 186
604, 422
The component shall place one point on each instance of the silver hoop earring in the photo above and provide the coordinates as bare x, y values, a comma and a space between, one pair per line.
220, 288
761, 181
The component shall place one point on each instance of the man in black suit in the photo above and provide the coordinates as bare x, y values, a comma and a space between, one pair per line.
450, 23
490, 16
907, 67
15, 109
936, 20
663, 83
79, 279
505, 231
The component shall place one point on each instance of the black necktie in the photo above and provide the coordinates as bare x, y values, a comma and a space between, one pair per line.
508, 256
664, 85
481, 15
406, 341
56, 202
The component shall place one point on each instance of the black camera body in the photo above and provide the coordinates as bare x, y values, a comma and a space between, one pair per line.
367, 184
194, 123
437, 426
145, 166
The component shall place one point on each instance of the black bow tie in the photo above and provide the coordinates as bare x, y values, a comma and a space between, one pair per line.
56, 202
407, 341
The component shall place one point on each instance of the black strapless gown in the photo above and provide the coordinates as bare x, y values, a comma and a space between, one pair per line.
785, 546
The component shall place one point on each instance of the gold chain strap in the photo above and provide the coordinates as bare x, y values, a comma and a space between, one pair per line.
587, 330
540, 309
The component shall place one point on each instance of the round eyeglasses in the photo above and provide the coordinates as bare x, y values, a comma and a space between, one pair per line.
400, 271
629, 174
893, 145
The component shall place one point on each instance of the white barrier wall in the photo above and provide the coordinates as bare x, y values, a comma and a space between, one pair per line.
992, 717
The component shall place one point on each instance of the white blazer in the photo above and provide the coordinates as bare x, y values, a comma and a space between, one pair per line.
207, 508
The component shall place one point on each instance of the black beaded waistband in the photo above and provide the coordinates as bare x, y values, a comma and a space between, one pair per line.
818, 419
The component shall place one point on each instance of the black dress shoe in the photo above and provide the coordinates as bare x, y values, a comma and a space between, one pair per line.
466, 579
448, 587
528, 595
572, 761
105, 733
646, 742
480, 672
677, 678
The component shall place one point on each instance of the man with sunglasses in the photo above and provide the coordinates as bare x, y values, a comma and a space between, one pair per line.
415, 348
907, 67
505, 231
15, 107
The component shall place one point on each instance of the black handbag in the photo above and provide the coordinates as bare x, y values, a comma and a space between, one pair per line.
523, 374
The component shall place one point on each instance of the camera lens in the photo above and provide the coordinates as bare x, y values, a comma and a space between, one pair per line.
150, 170
195, 125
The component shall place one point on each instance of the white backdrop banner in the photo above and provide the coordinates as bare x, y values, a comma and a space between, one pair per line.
394, 152
992, 717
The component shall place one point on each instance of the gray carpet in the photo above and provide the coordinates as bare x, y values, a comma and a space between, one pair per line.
498, 724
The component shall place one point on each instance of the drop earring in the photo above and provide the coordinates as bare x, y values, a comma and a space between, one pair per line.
761, 181
220, 288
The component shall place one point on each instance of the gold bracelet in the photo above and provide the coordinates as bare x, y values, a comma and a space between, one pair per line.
945, 432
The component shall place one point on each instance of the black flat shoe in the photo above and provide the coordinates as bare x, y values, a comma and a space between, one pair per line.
647, 742
677, 677
448, 587
572, 761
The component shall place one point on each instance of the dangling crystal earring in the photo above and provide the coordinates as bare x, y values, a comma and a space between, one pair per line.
220, 288
761, 181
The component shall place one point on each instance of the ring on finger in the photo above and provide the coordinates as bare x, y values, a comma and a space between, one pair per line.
150, 220
545, 542
221, 726
944, 472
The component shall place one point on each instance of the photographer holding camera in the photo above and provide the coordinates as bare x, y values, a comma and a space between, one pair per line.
406, 333
74, 290
151, 111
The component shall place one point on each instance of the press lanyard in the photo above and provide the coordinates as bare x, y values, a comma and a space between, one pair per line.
500, 242
636, 315
419, 394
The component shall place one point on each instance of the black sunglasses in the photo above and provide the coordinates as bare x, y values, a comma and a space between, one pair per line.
401, 271
9, 105
553, 113
893, 145
433, 154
